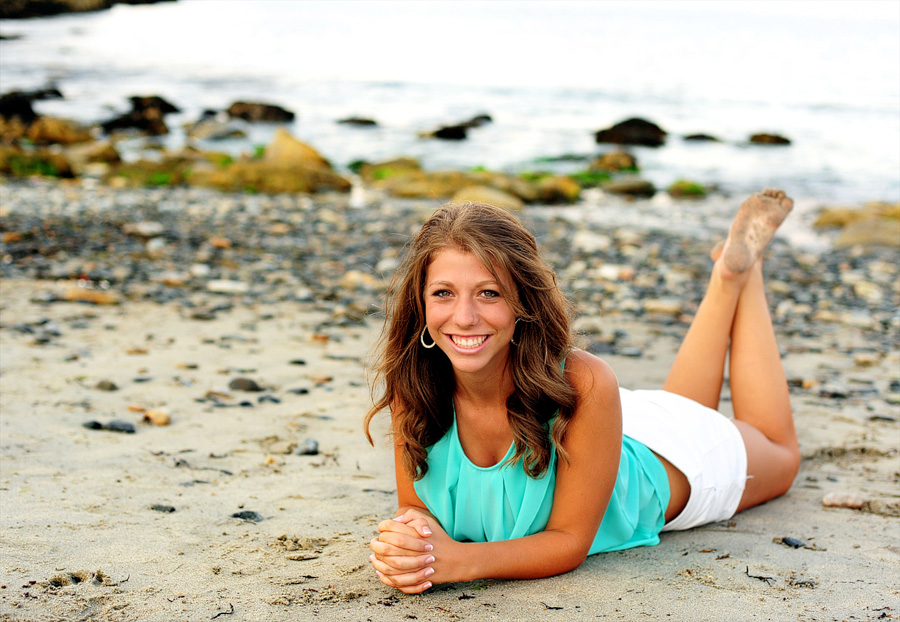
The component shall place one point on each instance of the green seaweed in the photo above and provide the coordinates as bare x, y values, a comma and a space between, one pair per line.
590, 179
356, 166
220, 160
25, 166
159, 178
383, 172
534, 176
687, 188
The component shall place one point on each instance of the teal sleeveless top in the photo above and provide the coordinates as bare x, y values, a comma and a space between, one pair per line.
501, 502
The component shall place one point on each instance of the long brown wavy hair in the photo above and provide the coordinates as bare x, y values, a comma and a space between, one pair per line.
419, 383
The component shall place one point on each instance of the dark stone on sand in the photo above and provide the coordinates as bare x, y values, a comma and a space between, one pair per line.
701, 138
298, 362
301, 391
249, 516
630, 351
358, 121
309, 447
769, 139
834, 391
159, 507
601, 347
794, 543
146, 115
115, 425
106, 385
634, 131
244, 384
268, 399
255, 112
203, 314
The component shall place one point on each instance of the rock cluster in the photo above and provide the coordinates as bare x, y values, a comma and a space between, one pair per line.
208, 251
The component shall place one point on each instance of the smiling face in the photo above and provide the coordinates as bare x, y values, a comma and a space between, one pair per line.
466, 313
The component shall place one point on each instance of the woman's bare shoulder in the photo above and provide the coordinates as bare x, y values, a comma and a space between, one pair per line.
589, 374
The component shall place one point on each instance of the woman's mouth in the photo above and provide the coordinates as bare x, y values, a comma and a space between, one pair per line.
468, 342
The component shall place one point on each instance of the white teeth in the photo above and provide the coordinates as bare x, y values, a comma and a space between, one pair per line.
469, 342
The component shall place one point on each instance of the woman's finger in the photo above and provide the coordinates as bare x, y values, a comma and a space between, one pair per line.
420, 525
392, 565
412, 543
409, 526
383, 549
409, 583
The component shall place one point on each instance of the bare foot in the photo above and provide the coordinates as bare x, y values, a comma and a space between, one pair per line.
756, 222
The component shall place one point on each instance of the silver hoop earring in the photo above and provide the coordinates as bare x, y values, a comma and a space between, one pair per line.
514, 332
422, 339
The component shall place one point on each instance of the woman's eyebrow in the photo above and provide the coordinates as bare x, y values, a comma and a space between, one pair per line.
477, 285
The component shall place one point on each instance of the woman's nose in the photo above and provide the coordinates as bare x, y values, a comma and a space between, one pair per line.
465, 313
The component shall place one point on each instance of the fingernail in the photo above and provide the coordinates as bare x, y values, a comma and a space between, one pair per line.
378, 573
398, 517
428, 585
430, 559
426, 531
372, 558
428, 547
429, 572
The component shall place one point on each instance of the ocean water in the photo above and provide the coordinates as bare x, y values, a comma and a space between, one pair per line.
824, 74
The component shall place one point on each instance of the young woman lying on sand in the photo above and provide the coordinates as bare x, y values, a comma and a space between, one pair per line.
517, 455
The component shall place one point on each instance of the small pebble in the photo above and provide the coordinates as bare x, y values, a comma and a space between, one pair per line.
630, 351
158, 416
268, 398
106, 385
248, 515
309, 447
117, 425
843, 500
113, 426
244, 384
158, 507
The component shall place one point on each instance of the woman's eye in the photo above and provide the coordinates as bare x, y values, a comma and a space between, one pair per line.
490, 293
441, 293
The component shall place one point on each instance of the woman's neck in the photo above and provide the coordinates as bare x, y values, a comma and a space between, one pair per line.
484, 390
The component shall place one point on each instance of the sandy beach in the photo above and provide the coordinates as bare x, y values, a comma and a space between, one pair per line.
219, 516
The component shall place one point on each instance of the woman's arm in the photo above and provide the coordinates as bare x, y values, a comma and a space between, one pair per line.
583, 488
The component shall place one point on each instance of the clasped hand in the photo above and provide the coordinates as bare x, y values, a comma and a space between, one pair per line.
406, 552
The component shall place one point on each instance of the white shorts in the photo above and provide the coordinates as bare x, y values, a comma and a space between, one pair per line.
700, 442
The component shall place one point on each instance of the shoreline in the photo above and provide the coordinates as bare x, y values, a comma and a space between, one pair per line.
225, 287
